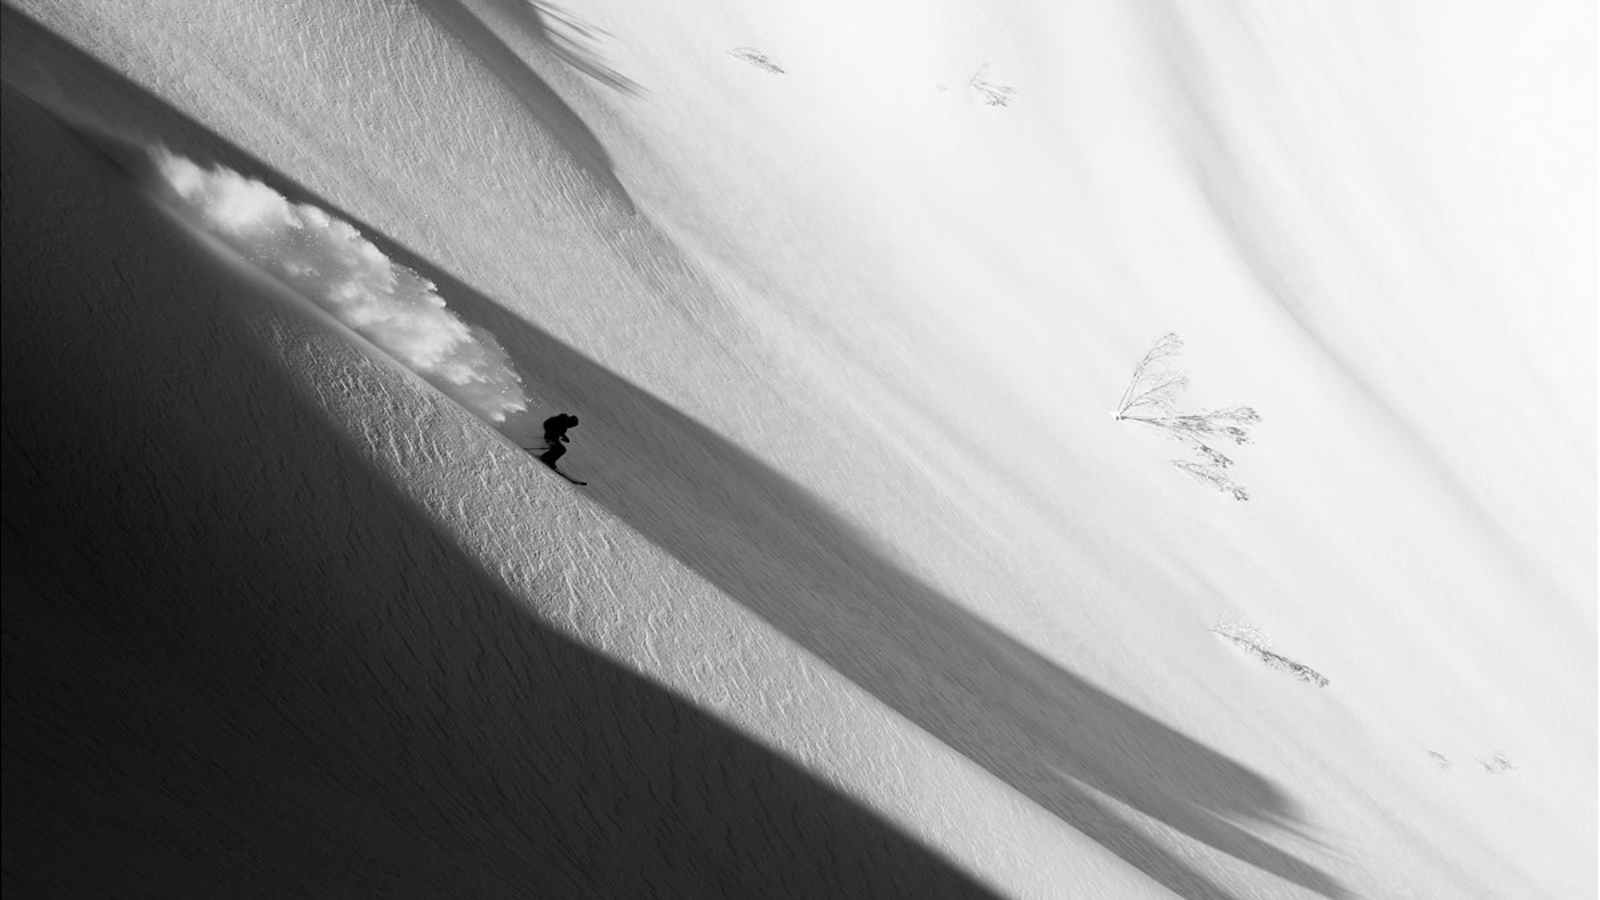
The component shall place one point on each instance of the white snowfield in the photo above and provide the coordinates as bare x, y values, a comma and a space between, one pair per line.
867, 595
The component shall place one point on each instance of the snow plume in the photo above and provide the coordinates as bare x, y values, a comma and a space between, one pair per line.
327, 260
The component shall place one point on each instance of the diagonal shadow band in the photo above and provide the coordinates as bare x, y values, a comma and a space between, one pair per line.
239, 663
568, 37
546, 106
770, 545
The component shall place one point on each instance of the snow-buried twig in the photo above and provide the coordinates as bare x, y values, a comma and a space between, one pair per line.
993, 93
1497, 764
1253, 640
756, 58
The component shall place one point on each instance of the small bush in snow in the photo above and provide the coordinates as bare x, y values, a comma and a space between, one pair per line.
1151, 399
992, 93
756, 58
1496, 764
1253, 640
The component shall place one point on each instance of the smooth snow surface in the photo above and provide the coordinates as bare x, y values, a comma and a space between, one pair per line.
843, 294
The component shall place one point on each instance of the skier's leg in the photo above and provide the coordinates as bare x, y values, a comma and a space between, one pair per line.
555, 452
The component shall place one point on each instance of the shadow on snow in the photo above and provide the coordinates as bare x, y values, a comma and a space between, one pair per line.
534, 92
770, 545
239, 663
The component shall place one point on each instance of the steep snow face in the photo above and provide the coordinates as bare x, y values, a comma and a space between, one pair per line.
906, 256
267, 634
1310, 198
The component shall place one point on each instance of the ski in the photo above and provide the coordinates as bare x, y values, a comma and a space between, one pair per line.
535, 451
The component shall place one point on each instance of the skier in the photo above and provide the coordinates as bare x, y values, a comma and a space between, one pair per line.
555, 439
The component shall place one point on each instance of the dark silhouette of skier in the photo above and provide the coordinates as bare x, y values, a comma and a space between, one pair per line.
555, 440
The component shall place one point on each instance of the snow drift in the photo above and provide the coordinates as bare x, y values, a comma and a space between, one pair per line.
327, 260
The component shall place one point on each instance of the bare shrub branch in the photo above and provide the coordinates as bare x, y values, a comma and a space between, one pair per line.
1213, 476
1497, 764
1151, 399
756, 58
1155, 387
1253, 640
993, 93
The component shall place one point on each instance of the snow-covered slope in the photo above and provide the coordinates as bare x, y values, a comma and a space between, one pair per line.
843, 337
241, 660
